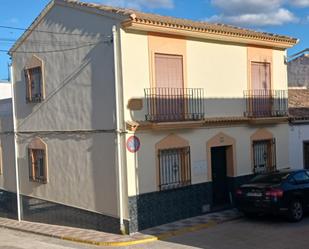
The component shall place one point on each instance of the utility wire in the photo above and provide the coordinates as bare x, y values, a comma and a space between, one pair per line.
54, 43
51, 51
41, 31
51, 41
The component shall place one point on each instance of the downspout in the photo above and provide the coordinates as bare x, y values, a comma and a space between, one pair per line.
119, 126
15, 143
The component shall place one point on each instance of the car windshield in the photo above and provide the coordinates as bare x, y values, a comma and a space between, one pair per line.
271, 178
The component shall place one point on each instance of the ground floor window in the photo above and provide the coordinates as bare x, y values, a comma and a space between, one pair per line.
264, 156
37, 165
174, 168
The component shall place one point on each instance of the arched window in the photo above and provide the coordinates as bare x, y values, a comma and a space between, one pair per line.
263, 151
173, 162
37, 156
34, 80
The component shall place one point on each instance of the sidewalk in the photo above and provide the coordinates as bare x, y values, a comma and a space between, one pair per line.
109, 239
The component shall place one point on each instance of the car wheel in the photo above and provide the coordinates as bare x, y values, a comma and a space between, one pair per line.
296, 211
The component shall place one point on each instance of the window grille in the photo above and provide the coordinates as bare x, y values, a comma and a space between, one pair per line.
37, 165
174, 168
34, 84
264, 156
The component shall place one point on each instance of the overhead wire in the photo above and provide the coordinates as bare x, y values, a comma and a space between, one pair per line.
50, 51
81, 43
48, 42
40, 31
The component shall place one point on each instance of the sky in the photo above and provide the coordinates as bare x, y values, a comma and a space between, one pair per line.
285, 17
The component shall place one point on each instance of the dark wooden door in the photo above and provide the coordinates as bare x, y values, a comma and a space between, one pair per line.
306, 155
219, 177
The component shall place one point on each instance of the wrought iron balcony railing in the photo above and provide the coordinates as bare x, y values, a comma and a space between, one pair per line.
174, 104
266, 103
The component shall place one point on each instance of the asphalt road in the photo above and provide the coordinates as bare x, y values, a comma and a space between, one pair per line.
261, 233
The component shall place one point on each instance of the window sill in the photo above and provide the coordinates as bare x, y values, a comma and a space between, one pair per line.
40, 181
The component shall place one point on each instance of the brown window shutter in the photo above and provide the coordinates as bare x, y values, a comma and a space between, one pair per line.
44, 167
169, 71
31, 164
28, 84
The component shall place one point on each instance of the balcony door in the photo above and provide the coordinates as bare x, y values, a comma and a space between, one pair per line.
170, 101
261, 104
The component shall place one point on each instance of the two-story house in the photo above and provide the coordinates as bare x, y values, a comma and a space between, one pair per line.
130, 119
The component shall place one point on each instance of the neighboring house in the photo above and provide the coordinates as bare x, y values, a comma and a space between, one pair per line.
5, 90
154, 122
299, 128
298, 71
298, 82
5, 99
7, 170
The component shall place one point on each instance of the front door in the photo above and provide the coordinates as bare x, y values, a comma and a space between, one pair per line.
306, 155
219, 177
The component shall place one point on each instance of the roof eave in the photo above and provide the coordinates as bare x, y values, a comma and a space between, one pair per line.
204, 34
65, 3
32, 26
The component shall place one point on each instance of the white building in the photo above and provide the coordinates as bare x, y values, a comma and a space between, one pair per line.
132, 119
299, 128
5, 90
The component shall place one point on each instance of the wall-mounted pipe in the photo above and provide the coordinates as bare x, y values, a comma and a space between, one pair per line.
15, 144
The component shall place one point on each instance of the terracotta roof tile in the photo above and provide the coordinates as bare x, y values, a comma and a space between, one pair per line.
299, 103
198, 26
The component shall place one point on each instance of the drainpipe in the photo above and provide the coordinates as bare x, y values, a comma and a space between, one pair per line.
119, 126
15, 143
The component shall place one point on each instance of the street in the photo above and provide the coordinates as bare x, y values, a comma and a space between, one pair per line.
260, 233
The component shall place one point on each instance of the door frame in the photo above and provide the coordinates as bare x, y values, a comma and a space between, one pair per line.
304, 142
219, 140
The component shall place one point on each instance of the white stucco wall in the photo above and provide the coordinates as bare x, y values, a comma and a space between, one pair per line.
143, 163
7, 179
79, 85
5, 90
298, 134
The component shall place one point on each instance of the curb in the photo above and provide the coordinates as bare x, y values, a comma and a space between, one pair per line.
120, 243
91, 242
162, 236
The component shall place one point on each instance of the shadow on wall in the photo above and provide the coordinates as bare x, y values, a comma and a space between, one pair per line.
81, 79
183, 107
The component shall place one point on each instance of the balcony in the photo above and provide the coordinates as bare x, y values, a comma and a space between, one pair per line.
266, 103
174, 104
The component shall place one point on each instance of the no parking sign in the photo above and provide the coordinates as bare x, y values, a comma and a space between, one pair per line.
133, 144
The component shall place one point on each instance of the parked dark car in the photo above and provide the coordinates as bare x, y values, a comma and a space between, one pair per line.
280, 192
